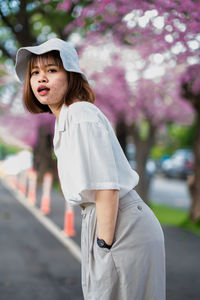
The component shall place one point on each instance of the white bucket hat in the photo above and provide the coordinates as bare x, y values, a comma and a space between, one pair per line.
68, 56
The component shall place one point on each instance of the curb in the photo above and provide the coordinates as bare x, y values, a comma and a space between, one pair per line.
72, 246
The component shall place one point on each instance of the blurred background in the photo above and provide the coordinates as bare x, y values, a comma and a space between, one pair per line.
142, 60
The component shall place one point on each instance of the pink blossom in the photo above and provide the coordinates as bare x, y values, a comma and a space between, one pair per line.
66, 5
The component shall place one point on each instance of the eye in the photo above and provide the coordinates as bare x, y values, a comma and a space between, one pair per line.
52, 70
34, 73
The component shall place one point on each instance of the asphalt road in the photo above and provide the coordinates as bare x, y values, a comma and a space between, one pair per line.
182, 264
172, 192
34, 265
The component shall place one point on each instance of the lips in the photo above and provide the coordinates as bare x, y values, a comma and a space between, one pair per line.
43, 90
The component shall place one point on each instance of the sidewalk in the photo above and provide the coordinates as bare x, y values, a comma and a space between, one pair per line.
34, 265
58, 212
182, 264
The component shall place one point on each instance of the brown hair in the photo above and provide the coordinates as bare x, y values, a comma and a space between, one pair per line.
78, 87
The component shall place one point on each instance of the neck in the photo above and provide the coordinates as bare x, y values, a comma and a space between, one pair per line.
55, 111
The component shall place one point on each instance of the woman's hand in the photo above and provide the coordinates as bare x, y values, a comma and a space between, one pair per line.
106, 210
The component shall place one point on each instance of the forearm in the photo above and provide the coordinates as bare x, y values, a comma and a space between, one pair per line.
106, 211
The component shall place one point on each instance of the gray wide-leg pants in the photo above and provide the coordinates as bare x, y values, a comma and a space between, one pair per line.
134, 268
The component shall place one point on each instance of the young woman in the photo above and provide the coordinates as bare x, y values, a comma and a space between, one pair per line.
123, 254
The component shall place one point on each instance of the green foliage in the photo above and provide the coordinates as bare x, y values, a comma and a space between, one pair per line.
56, 185
144, 130
7, 149
168, 215
175, 217
2, 72
47, 19
159, 151
25, 23
178, 137
184, 136
194, 227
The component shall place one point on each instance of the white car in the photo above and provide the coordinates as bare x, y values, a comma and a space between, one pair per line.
180, 164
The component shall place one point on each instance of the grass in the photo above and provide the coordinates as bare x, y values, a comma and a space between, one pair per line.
175, 217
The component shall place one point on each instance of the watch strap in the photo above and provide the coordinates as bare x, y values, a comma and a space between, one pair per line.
102, 244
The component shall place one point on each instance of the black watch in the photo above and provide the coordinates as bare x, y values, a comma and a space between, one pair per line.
102, 244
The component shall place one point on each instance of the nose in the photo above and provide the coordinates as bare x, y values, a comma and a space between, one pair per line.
42, 77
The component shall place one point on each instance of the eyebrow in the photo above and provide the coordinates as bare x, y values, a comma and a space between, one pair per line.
48, 65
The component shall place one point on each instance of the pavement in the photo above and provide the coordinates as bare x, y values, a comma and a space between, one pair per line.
182, 264
35, 265
169, 191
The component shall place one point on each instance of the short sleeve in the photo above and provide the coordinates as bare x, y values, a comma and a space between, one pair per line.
92, 160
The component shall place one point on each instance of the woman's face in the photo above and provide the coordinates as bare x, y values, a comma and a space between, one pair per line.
49, 83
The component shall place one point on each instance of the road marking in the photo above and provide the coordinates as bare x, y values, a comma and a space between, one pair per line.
72, 246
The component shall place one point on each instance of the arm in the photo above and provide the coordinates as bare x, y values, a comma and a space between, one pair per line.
106, 210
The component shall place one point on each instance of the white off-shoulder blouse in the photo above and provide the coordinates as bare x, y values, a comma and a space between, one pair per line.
89, 156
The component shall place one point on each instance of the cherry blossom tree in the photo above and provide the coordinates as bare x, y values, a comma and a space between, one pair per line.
190, 89
153, 102
174, 25
24, 23
158, 30
170, 28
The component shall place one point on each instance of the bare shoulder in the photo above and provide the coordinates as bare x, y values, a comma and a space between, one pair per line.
83, 111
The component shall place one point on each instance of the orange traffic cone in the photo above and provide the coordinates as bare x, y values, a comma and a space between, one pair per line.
69, 221
22, 182
13, 181
45, 202
32, 178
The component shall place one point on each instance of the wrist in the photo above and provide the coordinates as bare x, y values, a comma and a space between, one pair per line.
107, 234
102, 244
108, 240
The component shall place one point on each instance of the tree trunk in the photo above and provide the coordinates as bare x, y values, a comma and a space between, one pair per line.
194, 182
43, 150
142, 153
143, 148
121, 132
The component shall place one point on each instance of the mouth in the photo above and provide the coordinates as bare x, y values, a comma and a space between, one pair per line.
43, 90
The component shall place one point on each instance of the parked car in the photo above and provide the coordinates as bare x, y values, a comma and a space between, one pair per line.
179, 165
